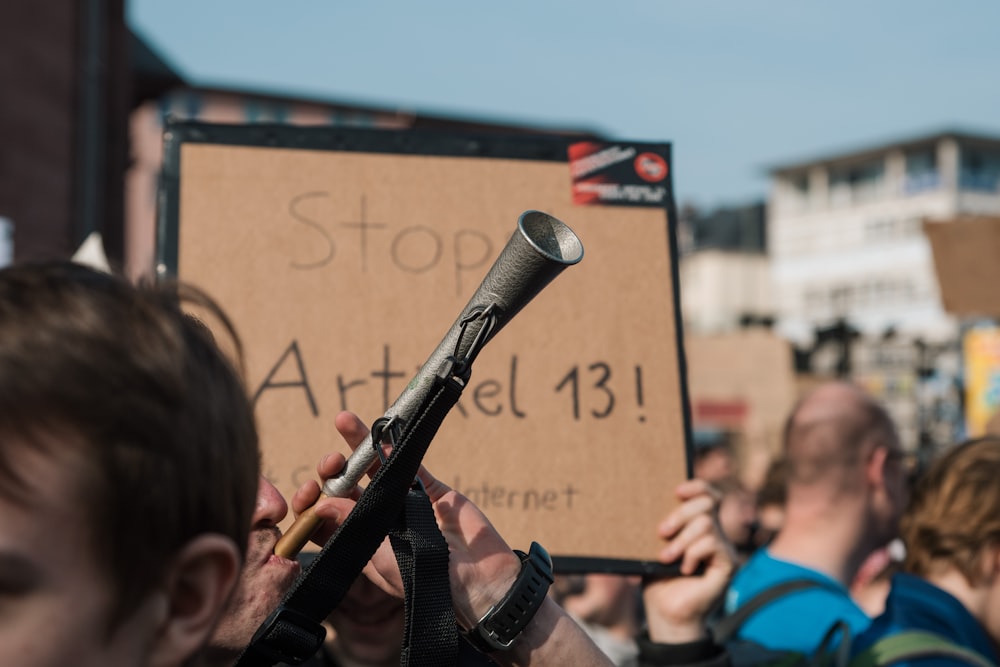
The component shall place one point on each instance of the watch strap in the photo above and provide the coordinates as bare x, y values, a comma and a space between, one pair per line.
500, 626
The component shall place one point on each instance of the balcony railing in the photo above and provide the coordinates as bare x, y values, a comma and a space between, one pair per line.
980, 181
921, 182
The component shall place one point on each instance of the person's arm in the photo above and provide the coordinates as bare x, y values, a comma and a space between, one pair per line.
677, 607
482, 566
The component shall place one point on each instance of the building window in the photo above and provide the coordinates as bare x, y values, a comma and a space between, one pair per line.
251, 111
921, 171
795, 191
879, 229
185, 105
857, 183
800, 184
262, 112
979, 169
911, 227
814, 299
6, 241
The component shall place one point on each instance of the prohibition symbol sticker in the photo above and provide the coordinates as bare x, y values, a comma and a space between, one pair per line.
650, 167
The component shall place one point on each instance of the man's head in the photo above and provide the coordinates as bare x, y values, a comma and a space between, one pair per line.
128, 464
841, 444
263, 582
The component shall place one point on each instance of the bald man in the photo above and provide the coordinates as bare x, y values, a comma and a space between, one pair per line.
846, 491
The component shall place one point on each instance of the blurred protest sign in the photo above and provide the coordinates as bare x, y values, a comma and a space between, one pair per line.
965, 260
343, 257
743, 383
981, 356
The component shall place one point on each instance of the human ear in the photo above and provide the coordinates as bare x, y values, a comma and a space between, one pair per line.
197, 588
992, 562
875, 468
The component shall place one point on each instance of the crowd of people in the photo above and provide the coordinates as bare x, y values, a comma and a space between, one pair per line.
136, 527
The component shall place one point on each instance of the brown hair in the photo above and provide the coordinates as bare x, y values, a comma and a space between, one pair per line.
124, 376
955, 510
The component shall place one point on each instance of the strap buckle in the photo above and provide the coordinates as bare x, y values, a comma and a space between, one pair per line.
462, 365
388, 431
287, 636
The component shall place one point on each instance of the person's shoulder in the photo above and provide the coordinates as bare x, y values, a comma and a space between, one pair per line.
890, 642
880, 627
802, 604
759, 568
763, 571
917, 606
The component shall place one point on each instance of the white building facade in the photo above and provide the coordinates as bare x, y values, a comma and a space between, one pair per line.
725, 276
847, 246
846, 234
721, 288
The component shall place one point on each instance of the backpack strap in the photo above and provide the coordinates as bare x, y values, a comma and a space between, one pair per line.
912, 644
727, 627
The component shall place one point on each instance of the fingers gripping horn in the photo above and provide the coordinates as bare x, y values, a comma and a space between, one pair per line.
538, 251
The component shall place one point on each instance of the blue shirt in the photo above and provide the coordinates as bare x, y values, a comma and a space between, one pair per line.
799, 620
914, 604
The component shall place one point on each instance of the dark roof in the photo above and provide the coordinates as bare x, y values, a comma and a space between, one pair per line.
740, 228
875, 150
152, 76
417, 119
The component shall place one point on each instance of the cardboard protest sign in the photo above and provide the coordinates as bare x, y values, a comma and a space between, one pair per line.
965, 254
343, 258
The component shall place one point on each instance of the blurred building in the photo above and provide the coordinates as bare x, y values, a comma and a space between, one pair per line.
65, 84
741, 385
81, 124
741, 378
168, 95
854, 275
846, 236
725, 276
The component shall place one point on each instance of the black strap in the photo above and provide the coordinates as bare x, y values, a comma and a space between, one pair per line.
727, 627
431, 636
289, 634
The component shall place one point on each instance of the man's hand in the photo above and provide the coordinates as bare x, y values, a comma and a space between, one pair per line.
676, 608
482, 566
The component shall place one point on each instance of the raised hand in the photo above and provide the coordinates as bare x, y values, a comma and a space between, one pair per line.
676, 607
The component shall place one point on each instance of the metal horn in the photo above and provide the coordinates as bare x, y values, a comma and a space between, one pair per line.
540, 248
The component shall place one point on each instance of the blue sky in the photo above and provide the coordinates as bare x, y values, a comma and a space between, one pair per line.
736, 86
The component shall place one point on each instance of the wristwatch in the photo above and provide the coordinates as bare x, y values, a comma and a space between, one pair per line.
505, 620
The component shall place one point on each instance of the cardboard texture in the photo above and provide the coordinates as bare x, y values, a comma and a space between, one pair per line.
965, 259
343, 270
743, 382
